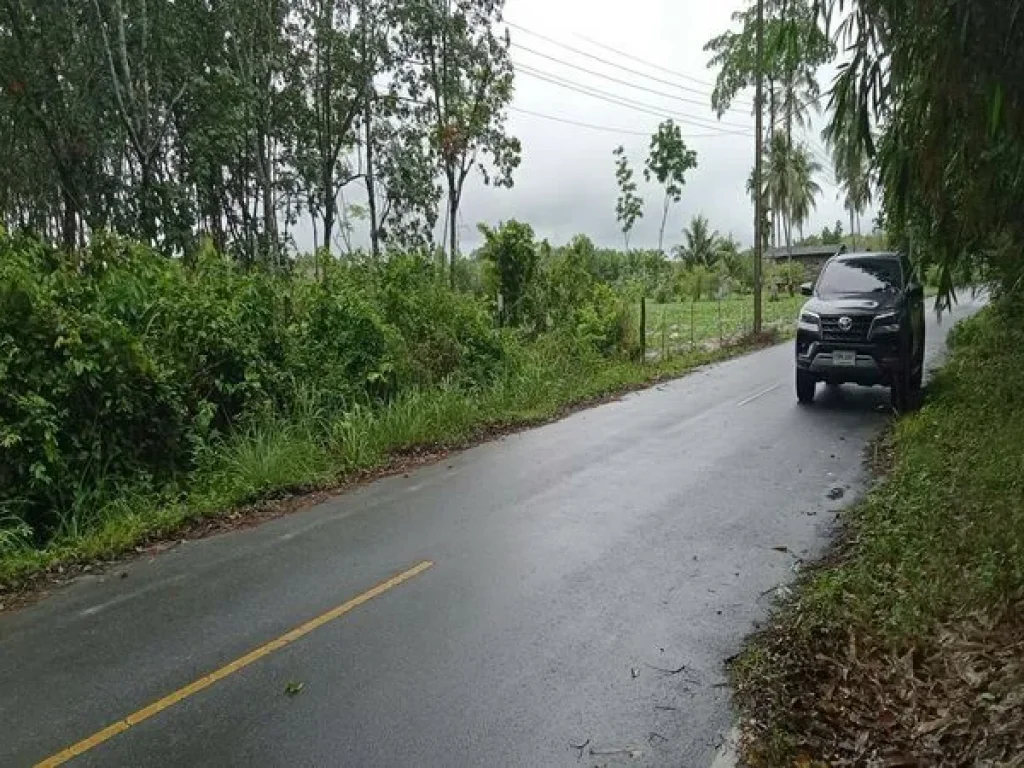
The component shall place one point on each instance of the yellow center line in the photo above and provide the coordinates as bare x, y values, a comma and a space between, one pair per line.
206, 681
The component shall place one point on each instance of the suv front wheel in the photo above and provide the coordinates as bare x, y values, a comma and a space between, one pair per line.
806, 384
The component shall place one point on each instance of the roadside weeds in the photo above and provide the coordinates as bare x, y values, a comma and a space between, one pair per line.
283, 470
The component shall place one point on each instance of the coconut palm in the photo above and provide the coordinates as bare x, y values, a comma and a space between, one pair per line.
778, 181
855, 180
803, 189
844, 136
702, 243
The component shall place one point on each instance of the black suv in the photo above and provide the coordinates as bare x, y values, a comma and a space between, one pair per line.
864, 325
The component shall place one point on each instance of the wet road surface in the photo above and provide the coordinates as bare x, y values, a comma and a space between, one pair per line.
580, 583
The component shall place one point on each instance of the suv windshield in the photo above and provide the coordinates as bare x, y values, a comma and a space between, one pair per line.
861, 275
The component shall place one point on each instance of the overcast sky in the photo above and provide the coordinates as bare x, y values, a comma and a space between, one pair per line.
566, 183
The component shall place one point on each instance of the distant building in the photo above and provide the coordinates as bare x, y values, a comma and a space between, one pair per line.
811, 257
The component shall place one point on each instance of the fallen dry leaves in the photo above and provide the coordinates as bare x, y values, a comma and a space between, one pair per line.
954, 698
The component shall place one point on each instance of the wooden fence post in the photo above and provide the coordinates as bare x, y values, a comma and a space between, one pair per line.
643, 329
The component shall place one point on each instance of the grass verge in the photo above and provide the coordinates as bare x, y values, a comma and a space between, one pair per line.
314, 450
905, 646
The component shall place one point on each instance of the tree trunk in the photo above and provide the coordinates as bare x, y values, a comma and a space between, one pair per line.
146, 207
330, 202
853, 231
664, 218
69, 225
269, 224
789, 254
776, 223
453, 235
371, 192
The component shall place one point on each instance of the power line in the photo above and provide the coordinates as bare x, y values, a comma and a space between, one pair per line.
581, 124
651, 109
609, 129
567, 121
618, 81
631, 71
652, 65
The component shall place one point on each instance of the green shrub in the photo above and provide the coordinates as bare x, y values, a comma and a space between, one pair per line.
123, 368
437, 334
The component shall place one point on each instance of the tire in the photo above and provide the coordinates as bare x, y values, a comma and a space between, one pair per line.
904, 393
907, 386
806, 385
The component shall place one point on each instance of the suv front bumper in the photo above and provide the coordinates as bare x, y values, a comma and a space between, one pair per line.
875, 362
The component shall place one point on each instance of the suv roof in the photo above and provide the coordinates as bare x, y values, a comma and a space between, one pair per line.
867, 254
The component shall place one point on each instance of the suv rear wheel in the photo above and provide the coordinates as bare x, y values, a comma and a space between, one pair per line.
806, 384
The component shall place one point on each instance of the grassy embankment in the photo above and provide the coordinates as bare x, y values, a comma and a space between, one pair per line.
905, 645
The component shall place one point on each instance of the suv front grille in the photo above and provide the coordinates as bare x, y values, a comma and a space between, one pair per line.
830, 330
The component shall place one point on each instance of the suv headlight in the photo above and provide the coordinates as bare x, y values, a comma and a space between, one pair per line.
809, 321
887, 323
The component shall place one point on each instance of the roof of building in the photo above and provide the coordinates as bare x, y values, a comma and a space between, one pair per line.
807, 252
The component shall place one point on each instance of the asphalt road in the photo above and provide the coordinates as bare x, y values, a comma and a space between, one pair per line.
576, 568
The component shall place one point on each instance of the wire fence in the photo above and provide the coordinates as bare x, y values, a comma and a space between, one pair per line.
682, 327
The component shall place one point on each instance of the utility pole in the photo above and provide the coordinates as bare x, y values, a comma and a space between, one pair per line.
758, 187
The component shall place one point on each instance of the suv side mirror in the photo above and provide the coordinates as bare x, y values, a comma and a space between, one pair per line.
915, 290
807, 289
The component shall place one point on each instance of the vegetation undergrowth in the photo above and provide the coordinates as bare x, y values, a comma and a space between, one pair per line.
320, 450
904, 648
140, 394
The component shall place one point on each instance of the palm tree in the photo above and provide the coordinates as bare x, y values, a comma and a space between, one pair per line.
790, 185
804, 189
702, 244
845, 137
778, 180
855, 181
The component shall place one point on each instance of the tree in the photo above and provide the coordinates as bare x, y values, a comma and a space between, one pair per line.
804, 190
789, 183
512, 255
335, 53
464, 81
795, 47
178, 121
668, 162
147, 85
703, 246
47, 61
629, 208
853, 174
934, 97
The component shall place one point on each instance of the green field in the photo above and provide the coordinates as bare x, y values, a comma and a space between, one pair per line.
680, 325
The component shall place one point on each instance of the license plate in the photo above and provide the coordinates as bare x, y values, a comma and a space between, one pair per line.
843, 357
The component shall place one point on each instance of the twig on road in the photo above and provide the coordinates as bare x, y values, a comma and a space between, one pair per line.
631, 751
580, 748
